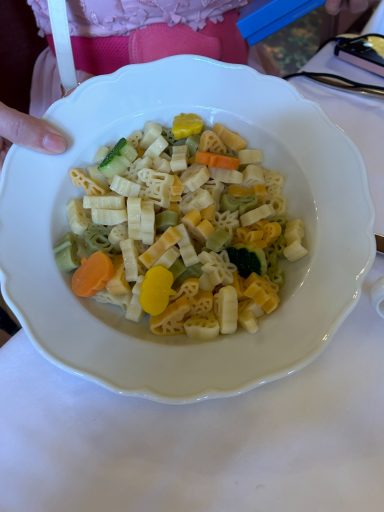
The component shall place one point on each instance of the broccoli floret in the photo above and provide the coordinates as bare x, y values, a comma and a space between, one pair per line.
248, 259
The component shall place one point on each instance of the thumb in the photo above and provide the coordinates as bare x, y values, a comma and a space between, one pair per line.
30, 131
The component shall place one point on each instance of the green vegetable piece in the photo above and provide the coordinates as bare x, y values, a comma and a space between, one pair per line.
66, 253
165, 219
192, 271
116, 161
218, 239
248, 259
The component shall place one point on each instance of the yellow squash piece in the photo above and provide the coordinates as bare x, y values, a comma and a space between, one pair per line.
156, 290
185, 125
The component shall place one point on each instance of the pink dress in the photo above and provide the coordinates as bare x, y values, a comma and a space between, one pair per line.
107, 34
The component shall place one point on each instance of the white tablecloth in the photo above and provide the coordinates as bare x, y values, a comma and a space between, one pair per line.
310, 442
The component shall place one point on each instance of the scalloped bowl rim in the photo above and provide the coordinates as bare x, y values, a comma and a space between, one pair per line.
150, 391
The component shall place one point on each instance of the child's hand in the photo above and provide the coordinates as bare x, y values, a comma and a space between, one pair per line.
19, 128
335, 6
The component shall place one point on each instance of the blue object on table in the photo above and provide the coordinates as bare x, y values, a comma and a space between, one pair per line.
261, 18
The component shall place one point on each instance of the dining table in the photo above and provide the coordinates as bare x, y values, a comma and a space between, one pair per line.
311, 441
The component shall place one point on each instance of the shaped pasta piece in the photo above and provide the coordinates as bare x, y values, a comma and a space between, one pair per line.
95, 238
295, 251
161, 164
165, 219
294, 230
209, 279
262, 212
238, 284
230, 138
187, 250
213, 262
199, 229
274, 182
134, 217
151, 132
271, 232
108, 217
97, 176
155, 290
178, 161
158, 186
101, 153
260, 191
253, 175
185, 125
202, 327
226, 306
251, 306
170, 237
134, 311
168, 258
248, 321
250, 156
118, 233
170, 322
210, 141
196, 200
124, 187
188, 255
80, 179
147, 222
278, 203
78, 218
145, 162
176, 190
107, 297
135, 138
106, 201
240, 191
157, 147
227, 220
195, 176
263, 292
208, 212
294, 234
201, 303
215, 188
129, 253
226, 175
189, 288
118, 285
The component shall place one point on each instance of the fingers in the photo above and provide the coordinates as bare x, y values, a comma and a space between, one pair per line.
30, 131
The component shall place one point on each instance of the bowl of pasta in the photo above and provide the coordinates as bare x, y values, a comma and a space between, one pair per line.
207, 231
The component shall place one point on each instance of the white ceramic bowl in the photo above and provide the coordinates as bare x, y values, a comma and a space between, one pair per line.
325, 185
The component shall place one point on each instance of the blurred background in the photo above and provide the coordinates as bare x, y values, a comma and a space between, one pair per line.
20, 44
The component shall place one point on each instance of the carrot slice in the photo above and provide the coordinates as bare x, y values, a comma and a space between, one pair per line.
215, 160
92, 275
